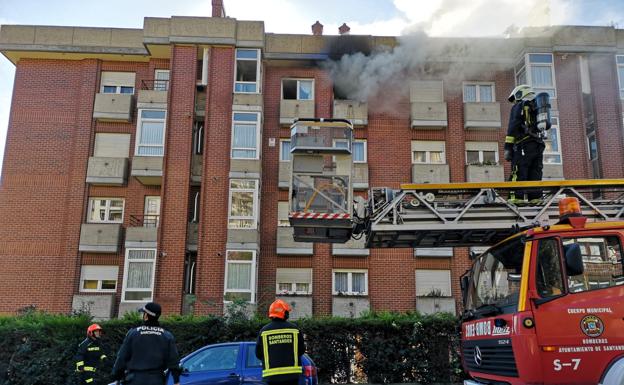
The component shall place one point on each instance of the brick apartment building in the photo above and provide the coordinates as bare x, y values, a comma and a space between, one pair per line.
153, 163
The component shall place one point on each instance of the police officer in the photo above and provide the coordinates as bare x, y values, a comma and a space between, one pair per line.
90, 355
280, 347
146, 352
524, 143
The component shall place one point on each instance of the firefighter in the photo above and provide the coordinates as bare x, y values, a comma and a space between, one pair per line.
146, 352
524, 143
280, 347
90, 355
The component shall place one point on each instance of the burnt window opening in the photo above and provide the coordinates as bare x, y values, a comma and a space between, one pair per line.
246, 71
289, 89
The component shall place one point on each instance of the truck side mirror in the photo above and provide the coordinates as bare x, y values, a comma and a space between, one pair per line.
573, 259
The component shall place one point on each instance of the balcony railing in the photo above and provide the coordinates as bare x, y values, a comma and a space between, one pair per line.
144, 220
155, 85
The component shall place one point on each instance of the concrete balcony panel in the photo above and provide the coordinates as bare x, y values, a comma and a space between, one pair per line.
107, 171
429, 115
251, 100
249, 237
141, 237
431, 305
301, 305
242, 167
192, 236
360, 176
249, 33
354, 111
99, 306
430, 173
354, 247
552, 172
113, 107
100, 237
286, 244
148, 169
152, 99
202, 30
284, 175
490, 173
197, 162
482, 116
128, 307
349, 306
290, 110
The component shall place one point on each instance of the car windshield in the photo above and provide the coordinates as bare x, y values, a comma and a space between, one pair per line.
496, 277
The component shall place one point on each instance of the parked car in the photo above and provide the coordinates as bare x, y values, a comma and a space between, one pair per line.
232, 363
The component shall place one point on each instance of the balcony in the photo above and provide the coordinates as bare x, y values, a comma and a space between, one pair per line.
243, 238
284, 175
100, 237
353, 247
143, 231
197, 162
482, 116
290, 110
192, 236
430, 173
286, 245
484, 173
360, 176
349, 306
113, 107
107, 171
429, 115
301, 305
552, 172
153, 94
354, 111
431, 305
99, 306
148, 169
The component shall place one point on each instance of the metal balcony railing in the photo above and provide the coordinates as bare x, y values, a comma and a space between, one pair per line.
155, 84
144, 220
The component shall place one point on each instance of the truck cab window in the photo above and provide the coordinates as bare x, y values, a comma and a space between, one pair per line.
549, 277
602, 261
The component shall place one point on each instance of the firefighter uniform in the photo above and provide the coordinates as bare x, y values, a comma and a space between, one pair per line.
146, 352
280, 347
88, 358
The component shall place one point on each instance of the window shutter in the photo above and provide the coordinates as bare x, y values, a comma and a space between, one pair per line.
430, 280
481, 146
125, 79
111, 145
426, 91
294, 275
90, 272
428, 145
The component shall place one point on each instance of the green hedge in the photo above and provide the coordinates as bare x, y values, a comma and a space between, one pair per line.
38, 348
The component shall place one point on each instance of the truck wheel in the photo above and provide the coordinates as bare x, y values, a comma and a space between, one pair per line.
614, 374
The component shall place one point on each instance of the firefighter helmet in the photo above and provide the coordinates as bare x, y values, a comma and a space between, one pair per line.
279, 309
522, 91
92, 329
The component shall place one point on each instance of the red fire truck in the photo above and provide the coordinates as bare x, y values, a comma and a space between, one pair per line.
546, 306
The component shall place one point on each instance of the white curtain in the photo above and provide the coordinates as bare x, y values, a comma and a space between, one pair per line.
541, 76
139, 275
239, 276
485, 94
341, 282
470, 93
359, 282
244, 141
358, 151
305, 90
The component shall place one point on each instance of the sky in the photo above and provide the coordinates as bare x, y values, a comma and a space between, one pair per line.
365, 17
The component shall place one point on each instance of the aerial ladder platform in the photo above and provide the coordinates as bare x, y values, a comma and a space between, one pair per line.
323, 208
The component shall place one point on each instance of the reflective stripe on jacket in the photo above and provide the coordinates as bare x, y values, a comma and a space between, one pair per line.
280, 347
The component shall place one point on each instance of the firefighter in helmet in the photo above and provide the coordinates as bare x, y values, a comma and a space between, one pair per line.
280, 347
90, 355
524, 144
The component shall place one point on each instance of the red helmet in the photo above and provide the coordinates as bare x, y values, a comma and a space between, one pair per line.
278, 309
91, 329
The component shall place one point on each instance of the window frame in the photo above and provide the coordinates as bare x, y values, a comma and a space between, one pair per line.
619, 65
127, 262
256, 149
478, 85
353, 142
428, 152
253, 276
298, 80
157, 80
526, 65
281, 152
350, 282
254, 217
293, 285
555, 153
99, 285
258, 68
108, 206
140, 121
496, 156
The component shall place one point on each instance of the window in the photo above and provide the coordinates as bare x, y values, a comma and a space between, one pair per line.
428, 152
247, 71
285, 155
592, 145
214, 358
161, 80
602, 262
350, 282
293, 281
243, 204
537, 70
151, 133
297, 89
433, 283
105, 210
151, 211
98, 278
117, 82
552, 151
479, 93
549, 277
245, 134
252, 361
358, 151
481, 153
240, 275
282, 214
139, 271
111, 145
619, 59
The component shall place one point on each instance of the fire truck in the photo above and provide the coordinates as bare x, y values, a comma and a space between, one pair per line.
543, 305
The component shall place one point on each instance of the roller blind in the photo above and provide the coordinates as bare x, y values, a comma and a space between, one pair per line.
118, 79
294, 275
89, 272
428, 145
433, 280
111, 145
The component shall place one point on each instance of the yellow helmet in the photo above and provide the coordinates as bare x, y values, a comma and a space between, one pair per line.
522, 91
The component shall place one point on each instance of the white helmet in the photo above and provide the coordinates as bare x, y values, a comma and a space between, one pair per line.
522, 91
